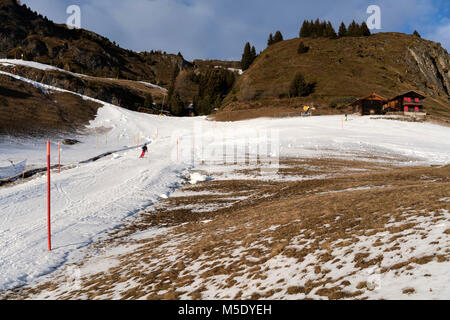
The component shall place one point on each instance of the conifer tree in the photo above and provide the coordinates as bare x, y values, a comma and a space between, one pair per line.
353, 29
246, 57
329, 31
253, 55
305, 30
270, 41
206, 105
299, 87
342, 30
302, 48
176, 105
417, 34
364, 29
278, 37
323, 30
175, 73
172, 84
316, 29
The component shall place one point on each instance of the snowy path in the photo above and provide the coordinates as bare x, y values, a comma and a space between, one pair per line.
86, 200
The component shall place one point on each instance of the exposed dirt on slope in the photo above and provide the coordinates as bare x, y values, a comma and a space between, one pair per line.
27, 110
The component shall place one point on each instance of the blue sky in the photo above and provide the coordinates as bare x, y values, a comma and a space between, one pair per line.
218, 29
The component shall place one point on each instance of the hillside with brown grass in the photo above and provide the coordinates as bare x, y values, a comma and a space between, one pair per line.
344, 69
28, 110
128, 93
28, 33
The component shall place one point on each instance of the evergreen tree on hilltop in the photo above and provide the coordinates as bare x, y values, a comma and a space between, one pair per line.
270, 41
353, 29
417, 34
329, 31
305, 30
316, 29
358, 30
342, 30
323, 30
278, 37
253, 54
364, 30
246, 57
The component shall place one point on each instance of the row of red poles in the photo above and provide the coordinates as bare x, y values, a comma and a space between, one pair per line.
48, 198
59, 170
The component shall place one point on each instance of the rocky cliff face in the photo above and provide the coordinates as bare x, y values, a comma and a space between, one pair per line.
431, 63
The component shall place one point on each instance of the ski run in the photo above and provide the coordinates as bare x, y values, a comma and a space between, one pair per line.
91, 198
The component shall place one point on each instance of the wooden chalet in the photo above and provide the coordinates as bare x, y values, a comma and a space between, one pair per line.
410, 102
369, 105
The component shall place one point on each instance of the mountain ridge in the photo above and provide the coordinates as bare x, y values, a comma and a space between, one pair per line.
28, 33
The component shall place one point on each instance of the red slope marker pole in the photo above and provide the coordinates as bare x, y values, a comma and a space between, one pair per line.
59, 157
48, 198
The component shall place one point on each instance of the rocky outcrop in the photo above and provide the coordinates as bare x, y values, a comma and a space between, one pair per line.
432, 62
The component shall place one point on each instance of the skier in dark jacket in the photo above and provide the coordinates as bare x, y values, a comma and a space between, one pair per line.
144, 150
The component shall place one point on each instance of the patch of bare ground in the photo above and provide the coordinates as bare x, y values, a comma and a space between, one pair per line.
280, 240
409, 291
27, 110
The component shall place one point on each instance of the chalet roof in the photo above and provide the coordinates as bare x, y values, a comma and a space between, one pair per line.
409, 94
373, 96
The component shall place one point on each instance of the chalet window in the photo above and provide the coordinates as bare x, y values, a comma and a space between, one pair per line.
417, 99
406, 109
416, 109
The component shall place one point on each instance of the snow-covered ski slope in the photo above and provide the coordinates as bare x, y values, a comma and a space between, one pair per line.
91, 198
86, 200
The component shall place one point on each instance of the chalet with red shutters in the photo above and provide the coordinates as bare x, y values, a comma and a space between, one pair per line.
410, 102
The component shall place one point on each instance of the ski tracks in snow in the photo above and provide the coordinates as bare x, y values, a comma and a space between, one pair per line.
86, 201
